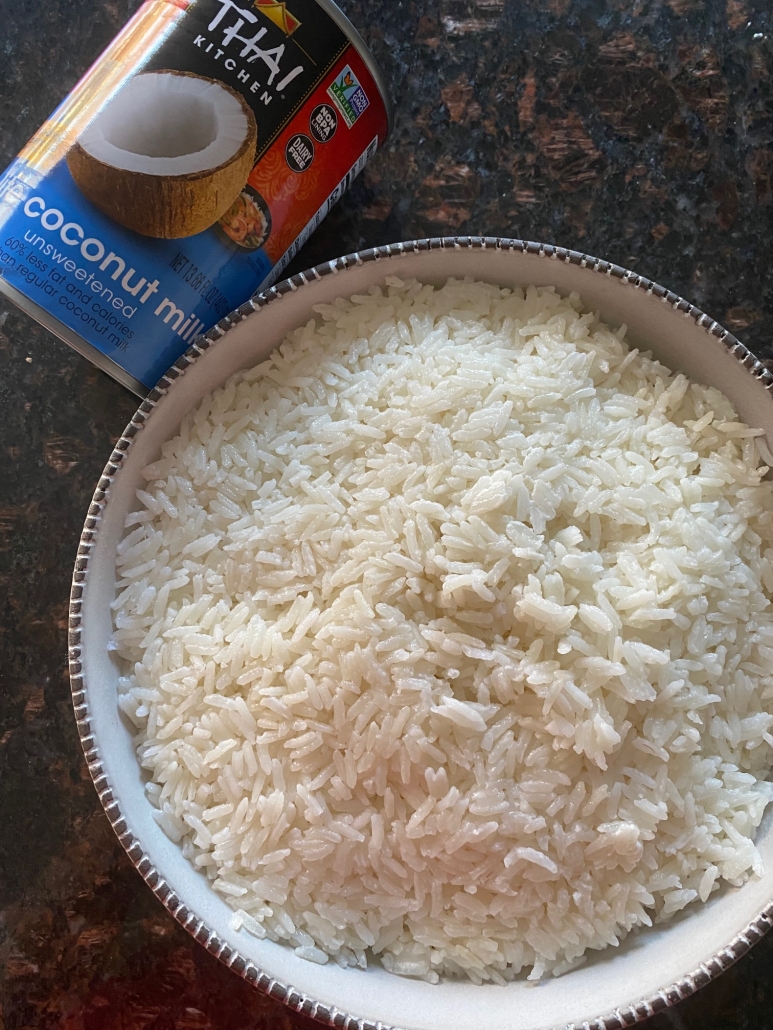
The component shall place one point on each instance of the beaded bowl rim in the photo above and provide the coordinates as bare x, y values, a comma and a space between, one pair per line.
292, 997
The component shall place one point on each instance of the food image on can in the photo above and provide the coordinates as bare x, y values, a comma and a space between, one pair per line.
184, 172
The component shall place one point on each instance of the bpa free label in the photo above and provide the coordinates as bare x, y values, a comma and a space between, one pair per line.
323, 123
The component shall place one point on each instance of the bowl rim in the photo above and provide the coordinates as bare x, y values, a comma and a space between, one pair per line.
295, 999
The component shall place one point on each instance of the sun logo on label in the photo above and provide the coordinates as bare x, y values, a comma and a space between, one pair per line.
276, 11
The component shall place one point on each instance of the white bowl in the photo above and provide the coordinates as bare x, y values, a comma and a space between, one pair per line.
651, 969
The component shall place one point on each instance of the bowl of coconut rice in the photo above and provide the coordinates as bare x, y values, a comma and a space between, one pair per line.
421, 641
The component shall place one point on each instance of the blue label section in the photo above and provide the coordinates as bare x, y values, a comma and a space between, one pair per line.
140, 301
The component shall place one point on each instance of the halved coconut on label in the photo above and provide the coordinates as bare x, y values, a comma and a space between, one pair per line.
169, 155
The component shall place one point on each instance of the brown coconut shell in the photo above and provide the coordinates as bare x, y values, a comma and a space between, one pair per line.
167, 206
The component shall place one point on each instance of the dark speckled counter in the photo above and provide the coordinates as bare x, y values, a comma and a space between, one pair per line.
637, 130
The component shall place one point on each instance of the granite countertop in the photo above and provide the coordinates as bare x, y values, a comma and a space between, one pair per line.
636, 130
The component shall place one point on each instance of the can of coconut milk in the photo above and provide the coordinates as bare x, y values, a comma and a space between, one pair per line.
184, 171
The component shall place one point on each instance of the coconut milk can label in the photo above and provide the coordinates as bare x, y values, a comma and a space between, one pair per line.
192, 181
138, 300
273, 54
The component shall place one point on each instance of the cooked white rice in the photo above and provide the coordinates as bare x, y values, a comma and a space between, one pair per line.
450, 636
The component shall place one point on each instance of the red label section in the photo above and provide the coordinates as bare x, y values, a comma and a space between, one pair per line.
315, 151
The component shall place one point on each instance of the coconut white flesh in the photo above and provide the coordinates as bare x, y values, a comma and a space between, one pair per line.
166, 124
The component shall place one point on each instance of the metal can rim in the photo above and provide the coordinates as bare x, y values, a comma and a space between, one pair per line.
343, 22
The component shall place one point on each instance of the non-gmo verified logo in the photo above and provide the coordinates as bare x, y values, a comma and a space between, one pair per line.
348, 95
